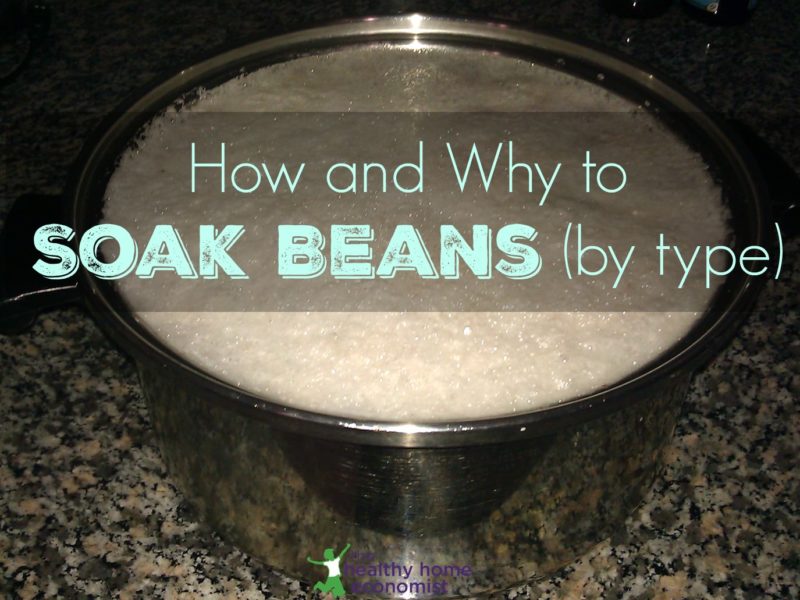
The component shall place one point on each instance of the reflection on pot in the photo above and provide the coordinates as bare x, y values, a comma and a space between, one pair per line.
510, 511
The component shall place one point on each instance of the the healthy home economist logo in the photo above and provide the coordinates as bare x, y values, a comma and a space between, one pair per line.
363, 572
333, 583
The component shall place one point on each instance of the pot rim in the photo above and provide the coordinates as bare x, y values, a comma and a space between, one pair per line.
706, 338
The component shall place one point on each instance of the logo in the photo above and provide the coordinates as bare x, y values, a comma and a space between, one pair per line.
333, 584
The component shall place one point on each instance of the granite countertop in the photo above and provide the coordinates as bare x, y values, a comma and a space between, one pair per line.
88, 510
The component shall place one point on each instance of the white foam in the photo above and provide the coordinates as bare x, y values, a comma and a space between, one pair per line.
424, 366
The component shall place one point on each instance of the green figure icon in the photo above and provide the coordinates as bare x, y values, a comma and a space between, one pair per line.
333, 583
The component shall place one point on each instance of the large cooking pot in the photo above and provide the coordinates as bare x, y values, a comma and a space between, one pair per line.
510, 498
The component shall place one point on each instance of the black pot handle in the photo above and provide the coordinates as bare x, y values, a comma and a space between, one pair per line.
23, 292
783, 184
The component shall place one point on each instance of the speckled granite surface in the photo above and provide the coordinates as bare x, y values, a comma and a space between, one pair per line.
87, 509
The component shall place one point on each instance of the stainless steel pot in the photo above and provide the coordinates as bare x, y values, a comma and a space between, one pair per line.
511, 498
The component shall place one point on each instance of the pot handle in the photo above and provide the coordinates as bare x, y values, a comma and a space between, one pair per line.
783, 184
23, 292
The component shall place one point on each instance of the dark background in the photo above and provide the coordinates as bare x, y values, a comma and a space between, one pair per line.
87, 509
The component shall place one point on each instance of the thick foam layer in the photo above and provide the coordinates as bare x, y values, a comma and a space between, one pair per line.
423, 366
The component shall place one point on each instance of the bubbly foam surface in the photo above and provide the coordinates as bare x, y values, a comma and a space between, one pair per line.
435, 366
